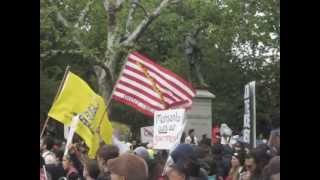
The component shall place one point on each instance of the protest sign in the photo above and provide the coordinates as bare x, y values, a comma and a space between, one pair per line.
73, 127
168, 128
146, 134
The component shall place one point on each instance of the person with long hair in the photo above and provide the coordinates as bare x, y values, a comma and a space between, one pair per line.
236, 166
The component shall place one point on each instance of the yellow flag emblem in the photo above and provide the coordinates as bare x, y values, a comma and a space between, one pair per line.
77, 98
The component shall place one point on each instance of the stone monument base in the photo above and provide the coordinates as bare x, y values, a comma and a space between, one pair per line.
199, 117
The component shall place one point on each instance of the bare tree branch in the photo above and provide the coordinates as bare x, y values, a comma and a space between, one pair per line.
130, 18
144, 10
94, 61
75, 38
56, 52
119, 3
144, 24
83, 13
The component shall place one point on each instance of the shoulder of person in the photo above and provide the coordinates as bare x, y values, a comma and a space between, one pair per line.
74, 176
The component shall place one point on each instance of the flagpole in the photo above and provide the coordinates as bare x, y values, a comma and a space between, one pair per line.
110, 97
55, 98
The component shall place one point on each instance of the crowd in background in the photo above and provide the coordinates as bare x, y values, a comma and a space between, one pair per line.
229, 158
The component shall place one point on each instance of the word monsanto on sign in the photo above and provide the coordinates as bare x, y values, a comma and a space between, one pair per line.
146, 134
168, 128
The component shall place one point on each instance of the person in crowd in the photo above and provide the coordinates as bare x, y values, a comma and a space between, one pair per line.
274, 142
91, 170
255, 161
105, 153
153, 165
227, 153
204, 158
150, 150
191, 138
69, 166
272, 169
237, 162
46, 148
226, 133
183, 137
217, 165
44, 174
205, 140
185, 165
175, 173
56, 170
142, 152
128, 167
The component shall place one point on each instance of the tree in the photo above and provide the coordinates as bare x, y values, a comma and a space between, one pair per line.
122, 27
239, 41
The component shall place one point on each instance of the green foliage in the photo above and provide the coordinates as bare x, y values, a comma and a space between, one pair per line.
235, 43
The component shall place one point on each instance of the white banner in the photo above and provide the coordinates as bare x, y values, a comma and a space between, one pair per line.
73, 127
249, 113
168, 128
66, 131
146, 134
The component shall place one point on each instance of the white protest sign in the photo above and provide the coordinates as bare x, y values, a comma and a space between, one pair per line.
168, 128
66, 131
123, 147
146, 134
73, 127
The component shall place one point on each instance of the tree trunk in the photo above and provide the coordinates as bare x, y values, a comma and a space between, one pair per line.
105, 81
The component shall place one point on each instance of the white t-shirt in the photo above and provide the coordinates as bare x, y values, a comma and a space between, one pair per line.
188, 140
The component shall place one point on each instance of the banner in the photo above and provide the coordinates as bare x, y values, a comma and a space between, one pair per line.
168, 128
146, 134
78, 99
148, 87
249, 125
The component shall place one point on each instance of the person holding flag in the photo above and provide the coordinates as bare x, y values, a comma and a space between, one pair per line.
78, 105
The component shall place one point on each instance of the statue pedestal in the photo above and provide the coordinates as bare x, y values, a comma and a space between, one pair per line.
199, 117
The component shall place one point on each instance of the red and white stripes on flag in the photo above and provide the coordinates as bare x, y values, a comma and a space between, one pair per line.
148, 87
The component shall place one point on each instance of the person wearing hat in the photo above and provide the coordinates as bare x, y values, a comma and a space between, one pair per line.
105, 153
142, 152
128, 167
185, 165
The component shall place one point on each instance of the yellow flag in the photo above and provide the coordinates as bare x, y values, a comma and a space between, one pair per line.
77, 98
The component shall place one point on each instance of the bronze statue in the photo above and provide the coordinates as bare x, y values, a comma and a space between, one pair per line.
193, 55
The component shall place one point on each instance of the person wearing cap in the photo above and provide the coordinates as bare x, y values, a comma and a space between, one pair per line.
128, 167
185, 165
142, 152
105, 153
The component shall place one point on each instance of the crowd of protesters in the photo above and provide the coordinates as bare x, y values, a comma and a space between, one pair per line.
229, 158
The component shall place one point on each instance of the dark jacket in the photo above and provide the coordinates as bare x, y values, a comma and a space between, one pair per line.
203, 175
56, 171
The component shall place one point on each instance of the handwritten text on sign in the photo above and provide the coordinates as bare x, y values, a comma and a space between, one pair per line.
168, 127
146, 134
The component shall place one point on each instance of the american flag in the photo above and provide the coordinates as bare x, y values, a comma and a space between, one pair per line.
148, 87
